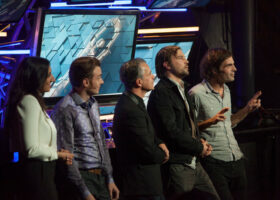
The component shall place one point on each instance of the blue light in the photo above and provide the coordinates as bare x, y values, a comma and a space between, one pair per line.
10, 45
16, 157
143, 8
15, 52
64, 4
5, 75
4, 61
169, 10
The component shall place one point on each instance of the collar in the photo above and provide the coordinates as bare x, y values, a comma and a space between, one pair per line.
136, 99
210, 89
170, 83
79, 101
180, 84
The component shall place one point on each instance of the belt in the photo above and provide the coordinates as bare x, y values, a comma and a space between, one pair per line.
95, 171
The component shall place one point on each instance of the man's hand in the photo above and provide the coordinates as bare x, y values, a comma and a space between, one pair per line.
213, 120
90, 197
114, 191
166, 151
207, 148
254, 103
219, 116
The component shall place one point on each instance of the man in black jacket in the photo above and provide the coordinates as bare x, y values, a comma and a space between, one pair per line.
139, 151
172, 114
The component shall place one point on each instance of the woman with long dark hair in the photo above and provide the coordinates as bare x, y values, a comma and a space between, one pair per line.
30, 130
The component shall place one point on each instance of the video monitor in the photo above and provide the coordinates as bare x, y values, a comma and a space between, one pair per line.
68, 34
12, 10
165, 4
148, 51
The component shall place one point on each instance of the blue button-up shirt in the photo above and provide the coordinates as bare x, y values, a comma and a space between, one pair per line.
79, 131
207, 104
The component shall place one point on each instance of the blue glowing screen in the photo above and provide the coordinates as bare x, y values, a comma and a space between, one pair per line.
110, 38
105, 110
149, 51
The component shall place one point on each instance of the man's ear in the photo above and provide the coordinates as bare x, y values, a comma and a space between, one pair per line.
85, 82
214, 71
166, 65
138, 82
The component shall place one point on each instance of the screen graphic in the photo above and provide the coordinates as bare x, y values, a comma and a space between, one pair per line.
109, 38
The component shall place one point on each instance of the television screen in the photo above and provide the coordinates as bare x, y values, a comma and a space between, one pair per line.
107, 35
160, 4
88, 1
12, 10
149, 51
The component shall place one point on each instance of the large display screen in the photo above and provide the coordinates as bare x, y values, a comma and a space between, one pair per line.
107, 35
149, 51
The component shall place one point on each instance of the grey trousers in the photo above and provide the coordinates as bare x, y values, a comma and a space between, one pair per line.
183, 179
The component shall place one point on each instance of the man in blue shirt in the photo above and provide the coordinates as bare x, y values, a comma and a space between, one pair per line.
212, 99
79, 130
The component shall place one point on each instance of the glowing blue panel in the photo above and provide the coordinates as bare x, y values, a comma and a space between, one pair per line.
69, 36
16, 157
15, 52
149, 51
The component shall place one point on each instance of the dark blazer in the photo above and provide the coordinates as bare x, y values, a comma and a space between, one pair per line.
168, 112
137, 147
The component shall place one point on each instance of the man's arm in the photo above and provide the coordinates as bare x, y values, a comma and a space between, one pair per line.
253, 104
144, 144
213, 120
113, 189
65, 140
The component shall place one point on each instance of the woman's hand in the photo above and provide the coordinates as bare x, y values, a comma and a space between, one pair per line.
66, 156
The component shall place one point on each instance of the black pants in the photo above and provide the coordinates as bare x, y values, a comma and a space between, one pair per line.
184, 180
229, 178
33, 180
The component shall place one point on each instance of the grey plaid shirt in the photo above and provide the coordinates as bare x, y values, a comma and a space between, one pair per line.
207, 104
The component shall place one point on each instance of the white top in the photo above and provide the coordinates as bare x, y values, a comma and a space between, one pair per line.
38, 130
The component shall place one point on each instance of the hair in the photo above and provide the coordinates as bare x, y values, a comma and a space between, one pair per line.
29, 78
130, 71
212, 61
164, 55
82, 68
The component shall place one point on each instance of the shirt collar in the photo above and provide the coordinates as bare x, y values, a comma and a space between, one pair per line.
136, 99
209, 88
78, 99
178, 84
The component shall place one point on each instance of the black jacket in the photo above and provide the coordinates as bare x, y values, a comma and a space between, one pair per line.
137, 147
168, 112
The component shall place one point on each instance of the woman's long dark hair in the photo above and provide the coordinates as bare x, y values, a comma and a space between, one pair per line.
29, 78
